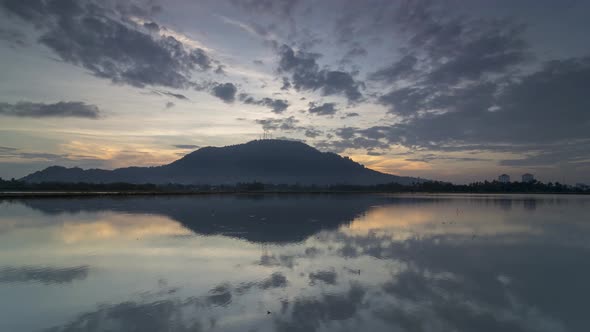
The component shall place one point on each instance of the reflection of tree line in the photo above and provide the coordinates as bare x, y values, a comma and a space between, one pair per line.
42, 274
255, 218
427, 187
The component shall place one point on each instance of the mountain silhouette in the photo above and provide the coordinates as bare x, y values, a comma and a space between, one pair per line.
266, 161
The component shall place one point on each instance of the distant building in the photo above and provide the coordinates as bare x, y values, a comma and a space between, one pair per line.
528, 177
504, 178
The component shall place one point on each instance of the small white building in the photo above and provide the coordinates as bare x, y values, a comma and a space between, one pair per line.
528, 177
504, 178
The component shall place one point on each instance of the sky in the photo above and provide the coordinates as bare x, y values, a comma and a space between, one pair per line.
458, 91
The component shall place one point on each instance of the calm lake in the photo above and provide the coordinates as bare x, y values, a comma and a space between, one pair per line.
296, 263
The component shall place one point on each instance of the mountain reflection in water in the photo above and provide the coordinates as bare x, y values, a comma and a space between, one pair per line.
295, 263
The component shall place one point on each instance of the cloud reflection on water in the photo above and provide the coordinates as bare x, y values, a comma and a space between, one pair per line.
382, 263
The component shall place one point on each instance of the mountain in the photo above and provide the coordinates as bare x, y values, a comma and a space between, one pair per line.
267, 161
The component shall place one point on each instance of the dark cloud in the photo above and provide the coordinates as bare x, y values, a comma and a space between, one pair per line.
457, 87
544, 107
140, 8
281, 8
398, 70
60, 110
323, 109
350, 115
281, 260
448, 57
445, 39
285, 124
356, 50
328, 277
346, 132
542, 116
170, 104
225, 91
86, 34
576, 153
152, 26
170, 94
6, 149
360, 143
276, 105
220, 70
286, 84
276, 280
258, 62
46, 275
310, 313
312, 133
12, 153
186, 146
220, 295
307, 75
13, 37
137, 316
408, 101
429, 157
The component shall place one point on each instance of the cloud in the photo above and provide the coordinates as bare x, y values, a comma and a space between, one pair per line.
447, 57
359, 143
328, 277
544, 107
225, 92
220, 70
575, 152
170, 104
426, 158
472, 84
13, 37
5, 149
60, 110
350, 115
286, 84
312, 133
396, 71
220, 296
306, 75
285, 124
87, 34
277, 106
170, 94
186, 146
346, 132
356, 50
542, 116
310, 313
276, 280
12, 153
152, 26
281, 8
323, 109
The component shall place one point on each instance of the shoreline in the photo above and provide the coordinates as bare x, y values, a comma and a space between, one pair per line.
76, 194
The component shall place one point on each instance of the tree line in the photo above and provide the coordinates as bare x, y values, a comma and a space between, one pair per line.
423, 187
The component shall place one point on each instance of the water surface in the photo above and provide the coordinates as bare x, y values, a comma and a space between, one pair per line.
296, 263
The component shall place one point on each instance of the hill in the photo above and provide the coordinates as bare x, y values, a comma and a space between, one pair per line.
267, 161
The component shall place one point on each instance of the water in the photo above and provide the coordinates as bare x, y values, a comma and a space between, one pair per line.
296, 263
